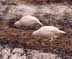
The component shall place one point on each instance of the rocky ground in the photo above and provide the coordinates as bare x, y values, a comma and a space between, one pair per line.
19, 44
16, 52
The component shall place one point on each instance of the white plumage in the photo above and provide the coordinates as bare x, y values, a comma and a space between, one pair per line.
48, 32
27, 21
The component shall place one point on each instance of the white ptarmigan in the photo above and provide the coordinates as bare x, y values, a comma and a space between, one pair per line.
48, 32
27, 21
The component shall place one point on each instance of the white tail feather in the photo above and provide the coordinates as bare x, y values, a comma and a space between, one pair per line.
62, 32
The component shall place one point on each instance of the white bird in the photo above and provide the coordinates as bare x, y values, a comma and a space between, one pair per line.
48, 32
28, 21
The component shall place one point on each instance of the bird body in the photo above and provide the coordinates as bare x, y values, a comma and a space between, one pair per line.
27, 21
48, 32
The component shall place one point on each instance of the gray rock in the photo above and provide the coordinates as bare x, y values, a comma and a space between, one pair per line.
1, 47
5, 53
15, 56
18, 50
49, 56
22, 9
3, 9
18, 53
2, 2
23, 57
56, 12
41, 55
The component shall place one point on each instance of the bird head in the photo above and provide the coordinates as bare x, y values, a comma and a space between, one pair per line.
35, 34
17, 24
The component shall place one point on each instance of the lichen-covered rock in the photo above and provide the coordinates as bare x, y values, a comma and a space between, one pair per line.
3, 9
5, 53
22, 9
18, 50
8, 53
